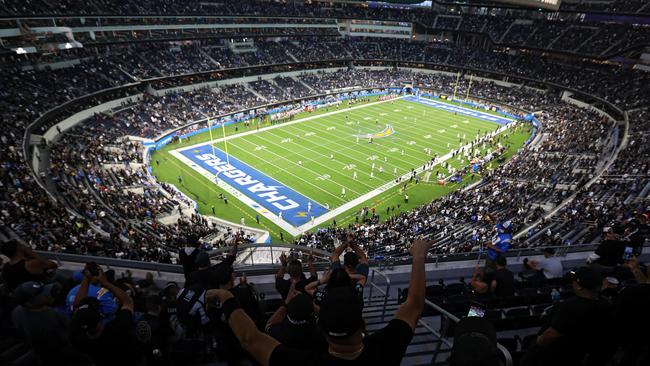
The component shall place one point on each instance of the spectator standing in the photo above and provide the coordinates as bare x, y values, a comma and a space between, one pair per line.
610, 251
341, 322
355, 263
112, 343
500, 242
501, 280
294, 268
187, 255
107, 303
294, 325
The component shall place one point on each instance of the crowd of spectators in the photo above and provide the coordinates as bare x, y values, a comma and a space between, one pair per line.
564, 160
574, 34
582, 316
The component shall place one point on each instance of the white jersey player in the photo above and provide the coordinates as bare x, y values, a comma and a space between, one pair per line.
343, 191
373, 166
354, 175
308, 206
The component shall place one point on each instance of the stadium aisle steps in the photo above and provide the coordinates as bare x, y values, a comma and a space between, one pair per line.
420, 350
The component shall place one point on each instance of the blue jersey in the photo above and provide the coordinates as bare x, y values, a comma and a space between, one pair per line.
107, 302
501, 241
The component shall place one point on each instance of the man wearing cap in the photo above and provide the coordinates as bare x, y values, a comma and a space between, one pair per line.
112, 343
45, 329
611, 249
341, 322
500, 242
355, 262
581, 327
293, 324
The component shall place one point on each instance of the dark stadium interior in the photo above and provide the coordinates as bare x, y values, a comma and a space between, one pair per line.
543, 261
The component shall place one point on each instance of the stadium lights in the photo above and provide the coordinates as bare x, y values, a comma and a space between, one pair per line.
20, 51
68, 45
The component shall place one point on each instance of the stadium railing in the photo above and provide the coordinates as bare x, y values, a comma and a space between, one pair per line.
273, 251
384, 291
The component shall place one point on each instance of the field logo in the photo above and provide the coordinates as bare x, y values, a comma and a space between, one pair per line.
266, 191
388, 131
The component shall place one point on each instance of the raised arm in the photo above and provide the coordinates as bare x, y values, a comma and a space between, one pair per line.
122, 297
283, 266
281, 313
336, 254
83, 289
411, 309
363, 257
258, 344
311, 287
310, 265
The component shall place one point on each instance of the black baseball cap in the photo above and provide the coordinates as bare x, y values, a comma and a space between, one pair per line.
34, 292
587, 277
340, 312
475, 343
192, 240
351, 259
300, 309
202, 259
87, 315
222, 273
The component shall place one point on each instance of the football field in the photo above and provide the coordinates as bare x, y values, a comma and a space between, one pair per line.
324, 165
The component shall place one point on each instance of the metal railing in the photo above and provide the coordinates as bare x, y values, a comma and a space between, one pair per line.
385, 293
322, 258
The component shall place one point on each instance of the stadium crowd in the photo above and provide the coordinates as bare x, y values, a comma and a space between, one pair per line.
51, 316
566, 163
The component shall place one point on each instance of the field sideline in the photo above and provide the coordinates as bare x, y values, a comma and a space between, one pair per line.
320, 157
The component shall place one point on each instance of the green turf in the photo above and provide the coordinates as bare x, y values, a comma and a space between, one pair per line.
276, 152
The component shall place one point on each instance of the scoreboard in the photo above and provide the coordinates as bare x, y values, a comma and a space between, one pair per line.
545, 4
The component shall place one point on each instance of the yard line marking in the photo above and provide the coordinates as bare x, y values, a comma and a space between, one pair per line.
303, 167
325, 166
290, 123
